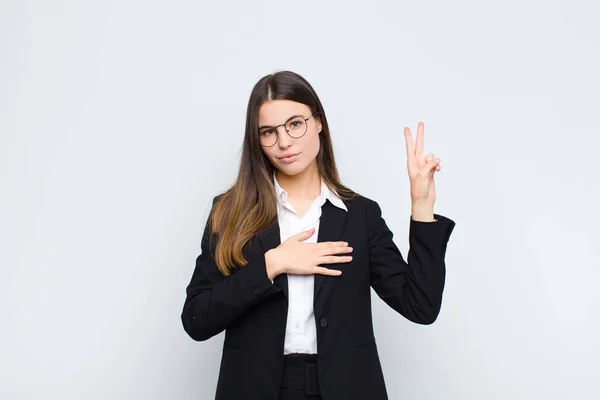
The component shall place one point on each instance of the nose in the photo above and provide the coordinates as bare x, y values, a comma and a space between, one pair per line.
283, 139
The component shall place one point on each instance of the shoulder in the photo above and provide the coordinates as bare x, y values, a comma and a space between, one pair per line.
216, 198
361, 203
221, 196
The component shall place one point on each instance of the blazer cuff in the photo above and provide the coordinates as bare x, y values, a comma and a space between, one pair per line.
254, 275
437, 231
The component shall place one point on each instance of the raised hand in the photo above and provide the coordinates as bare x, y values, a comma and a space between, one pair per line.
293, 256
421, 168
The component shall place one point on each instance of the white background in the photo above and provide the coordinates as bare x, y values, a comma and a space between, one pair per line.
120, 120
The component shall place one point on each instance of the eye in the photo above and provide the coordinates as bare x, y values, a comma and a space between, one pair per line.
267, 132
294, 124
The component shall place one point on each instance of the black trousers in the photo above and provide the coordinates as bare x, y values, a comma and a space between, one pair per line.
299, 379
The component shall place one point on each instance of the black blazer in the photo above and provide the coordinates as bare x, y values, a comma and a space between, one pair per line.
253, 311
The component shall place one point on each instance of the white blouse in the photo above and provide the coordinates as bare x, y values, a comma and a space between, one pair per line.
301, 328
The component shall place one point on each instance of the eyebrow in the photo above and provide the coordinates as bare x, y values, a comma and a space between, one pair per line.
293, 116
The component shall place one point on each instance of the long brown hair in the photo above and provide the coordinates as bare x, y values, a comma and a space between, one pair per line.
250, 205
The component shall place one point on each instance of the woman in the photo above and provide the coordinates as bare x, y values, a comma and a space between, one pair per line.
289, 255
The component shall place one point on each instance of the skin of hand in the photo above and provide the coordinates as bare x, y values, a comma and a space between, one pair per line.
421, 170
293, 256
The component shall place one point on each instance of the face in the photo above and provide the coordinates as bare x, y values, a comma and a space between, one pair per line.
304, 150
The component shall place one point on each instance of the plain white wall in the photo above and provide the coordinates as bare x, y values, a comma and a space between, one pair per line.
120, 120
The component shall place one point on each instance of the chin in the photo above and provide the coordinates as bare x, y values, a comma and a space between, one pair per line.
292, 169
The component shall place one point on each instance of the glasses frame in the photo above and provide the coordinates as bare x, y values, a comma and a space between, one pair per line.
286, 130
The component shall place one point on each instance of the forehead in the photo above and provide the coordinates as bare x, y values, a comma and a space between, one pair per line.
276, 112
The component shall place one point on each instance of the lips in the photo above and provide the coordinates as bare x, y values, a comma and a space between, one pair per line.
288, 156
289, 159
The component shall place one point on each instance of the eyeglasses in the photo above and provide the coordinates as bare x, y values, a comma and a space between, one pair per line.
296, 127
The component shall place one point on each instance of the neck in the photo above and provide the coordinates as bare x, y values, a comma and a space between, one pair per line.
306, 184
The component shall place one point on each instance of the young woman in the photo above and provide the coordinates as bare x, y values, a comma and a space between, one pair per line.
289, 255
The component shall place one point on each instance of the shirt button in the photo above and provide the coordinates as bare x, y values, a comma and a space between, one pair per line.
323, 322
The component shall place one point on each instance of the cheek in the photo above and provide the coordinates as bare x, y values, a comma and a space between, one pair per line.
269, 154
316, 144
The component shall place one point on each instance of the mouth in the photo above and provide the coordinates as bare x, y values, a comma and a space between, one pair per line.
289, 158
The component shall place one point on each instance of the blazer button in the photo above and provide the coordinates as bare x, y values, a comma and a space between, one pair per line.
256, 291
323, 322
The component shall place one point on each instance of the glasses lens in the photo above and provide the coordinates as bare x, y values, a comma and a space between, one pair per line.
268, 136
296, 127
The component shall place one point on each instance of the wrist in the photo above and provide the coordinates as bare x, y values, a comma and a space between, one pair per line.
422, 211
272, 269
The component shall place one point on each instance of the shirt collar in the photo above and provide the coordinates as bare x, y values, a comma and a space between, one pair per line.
326, 194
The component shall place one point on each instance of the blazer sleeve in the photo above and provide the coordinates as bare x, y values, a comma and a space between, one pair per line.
414, 288
213, 300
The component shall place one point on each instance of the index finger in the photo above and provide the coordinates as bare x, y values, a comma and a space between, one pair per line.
329, 245
410, 146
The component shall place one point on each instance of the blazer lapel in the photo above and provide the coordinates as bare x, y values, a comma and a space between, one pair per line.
331, 226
